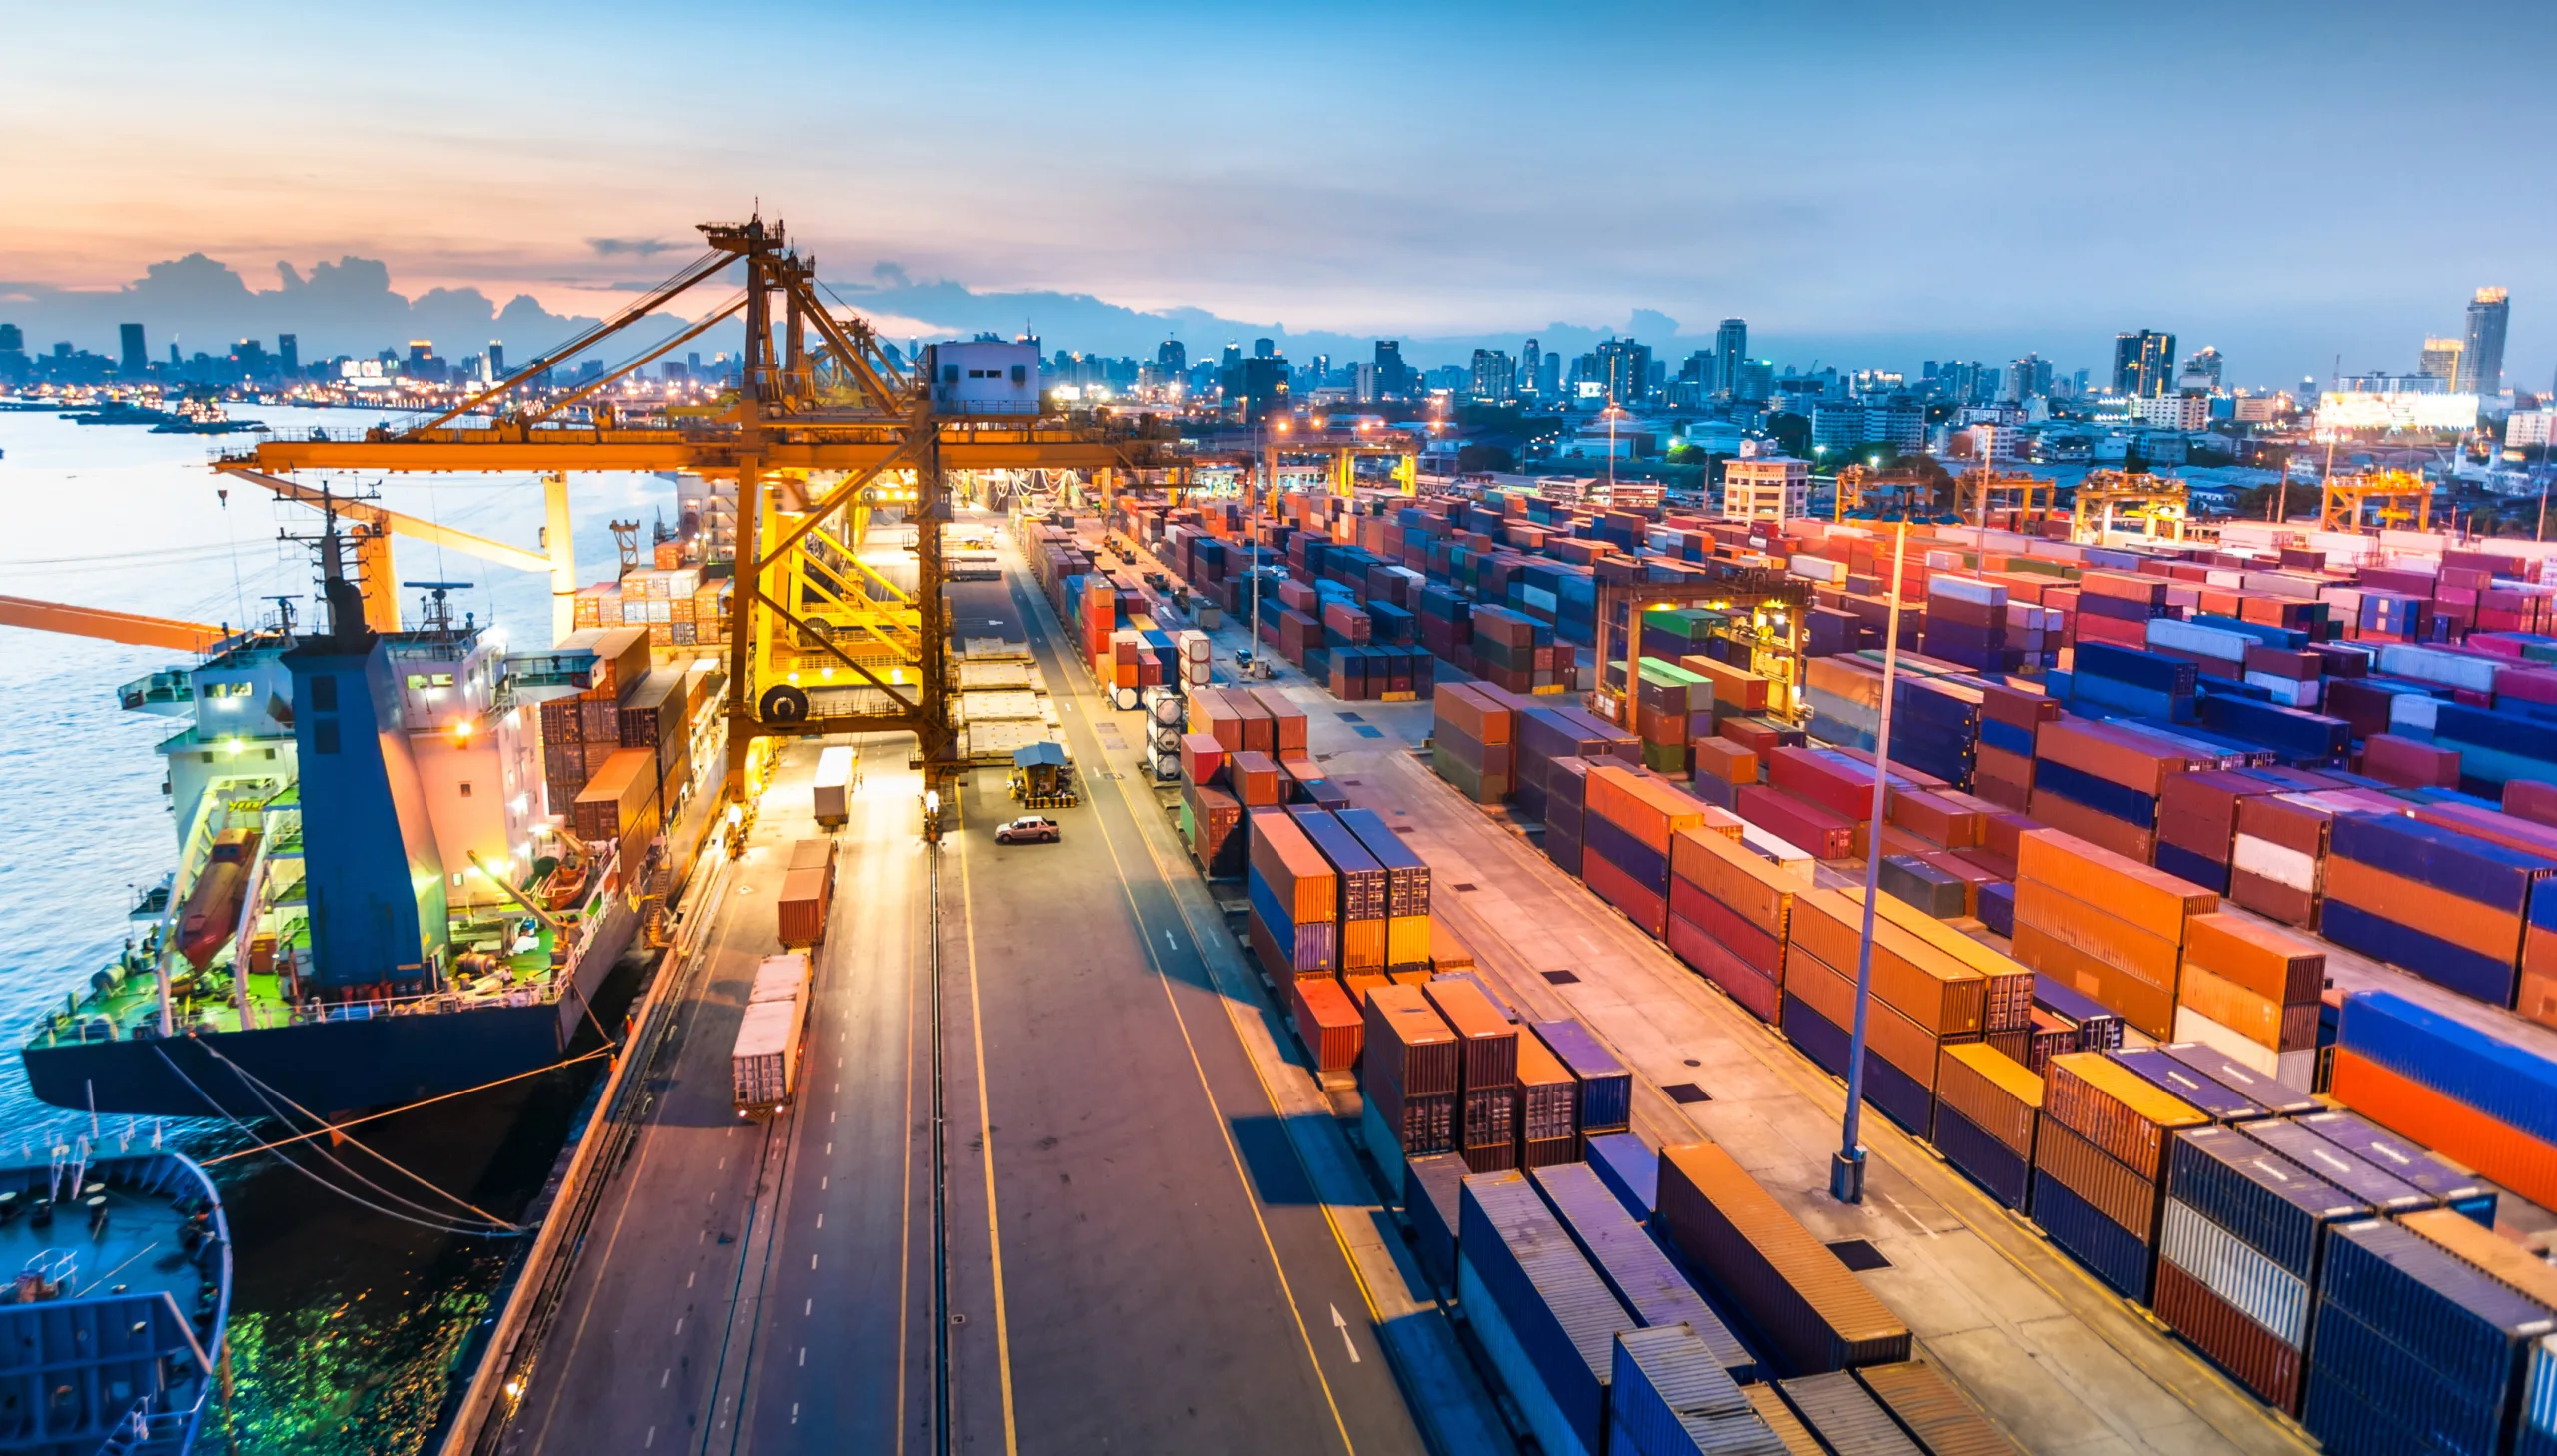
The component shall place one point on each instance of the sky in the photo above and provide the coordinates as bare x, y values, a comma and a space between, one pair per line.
1869, 185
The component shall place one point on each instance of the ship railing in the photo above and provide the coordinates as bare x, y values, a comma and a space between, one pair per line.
71, 1024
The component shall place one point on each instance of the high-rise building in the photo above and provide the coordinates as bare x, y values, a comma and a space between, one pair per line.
2440, 361
1258, 384
2201, 371
498, 358
1530, 357
2143, 363
1731, 348
137, 359
1233, 355
289, 354
1393, 377
1625, 368
2028, 379
2482, 361
1699, 370
1263, 349
13, 340
1494, 377
1171, 357
1367, 382
1550, 375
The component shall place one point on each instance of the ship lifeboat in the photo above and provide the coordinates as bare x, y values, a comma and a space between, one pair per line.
212, 911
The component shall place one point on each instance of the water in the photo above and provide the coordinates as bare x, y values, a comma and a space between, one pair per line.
345, 1323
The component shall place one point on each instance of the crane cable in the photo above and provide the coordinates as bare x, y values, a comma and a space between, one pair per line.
259, 1089
243, 1129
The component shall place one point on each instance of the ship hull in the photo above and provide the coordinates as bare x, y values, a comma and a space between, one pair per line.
328, 1066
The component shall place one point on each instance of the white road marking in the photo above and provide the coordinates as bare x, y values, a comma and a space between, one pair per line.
679, 1324
830, 1150
1342, 1325
1169, 941
812, 1261
821, 1184
794, 1413
821, 1220
667, 1378
1911, 1217
689, 1278
830, 1120
803, 1357
653, 1437
723, 1165
807, 1309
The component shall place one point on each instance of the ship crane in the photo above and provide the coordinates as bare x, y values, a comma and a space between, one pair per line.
819, 397
130, 628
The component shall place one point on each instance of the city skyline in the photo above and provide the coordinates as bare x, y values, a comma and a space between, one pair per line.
1876, 218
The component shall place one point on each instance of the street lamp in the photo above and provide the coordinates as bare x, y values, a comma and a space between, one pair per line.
1846, 1164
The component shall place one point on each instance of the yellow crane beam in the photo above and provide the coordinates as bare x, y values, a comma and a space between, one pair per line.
571, 448
130, 628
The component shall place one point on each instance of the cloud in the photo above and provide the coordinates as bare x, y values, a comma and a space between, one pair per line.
637, 247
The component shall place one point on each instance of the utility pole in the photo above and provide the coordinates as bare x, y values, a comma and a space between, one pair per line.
1847, 1165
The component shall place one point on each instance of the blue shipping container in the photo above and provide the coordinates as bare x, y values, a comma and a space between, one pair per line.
2505, 1082
1433, 1190
1642, 863
1989, 1163
1846, 1417
1553, 1304
1606, 1088
2108, 1250
2272, 1097
1887, 1089
1668, 1397
2203, 1093
2452, 1186
2473, 869
2472, 974
2278, 1208
1637, 1272
2383, 1193
2411, 1406
1630, 1171
2452, 1318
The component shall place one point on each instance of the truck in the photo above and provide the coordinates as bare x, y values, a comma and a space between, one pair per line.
834, 786
765, 1062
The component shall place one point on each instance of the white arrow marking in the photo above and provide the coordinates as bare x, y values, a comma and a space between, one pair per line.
1342, 1325
1169, 941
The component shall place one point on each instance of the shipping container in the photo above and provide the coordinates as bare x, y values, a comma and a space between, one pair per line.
1933, 1410
1545, 1317
1489, 1043
1433, 1200
2454, 1188
1669, 1396
806, 898
1329, 1022
2116, 1110
2269, 1367
1606, 1088
833, 786
764, 1063
2414, 1349
1548, 1107
1780, 1418
1846, 1418
1407, 873
1630, 1171
2278, 1208
1409, 1048
1636, 1271
1810, 1312
781, 978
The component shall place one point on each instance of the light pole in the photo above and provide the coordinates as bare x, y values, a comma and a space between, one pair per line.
1846, 1164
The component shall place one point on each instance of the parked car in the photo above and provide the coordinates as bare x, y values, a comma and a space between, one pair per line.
1029, 829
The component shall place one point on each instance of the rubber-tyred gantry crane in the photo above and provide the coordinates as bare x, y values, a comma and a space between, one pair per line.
819, 398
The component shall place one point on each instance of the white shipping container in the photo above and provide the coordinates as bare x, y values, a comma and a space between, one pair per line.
1963, 589
2297, 1071
2254, 1285
1786, 855
2278, 863
781, 978
2287, 691
832, 789
2414, 710
765, 1062
2211, 642
2428, 664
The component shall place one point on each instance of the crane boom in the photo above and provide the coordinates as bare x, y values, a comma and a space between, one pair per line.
130, 628
397, 523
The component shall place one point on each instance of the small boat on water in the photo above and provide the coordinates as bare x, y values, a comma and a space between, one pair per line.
118, 1299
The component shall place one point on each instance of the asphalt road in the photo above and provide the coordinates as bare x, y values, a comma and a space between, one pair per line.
1136, 1260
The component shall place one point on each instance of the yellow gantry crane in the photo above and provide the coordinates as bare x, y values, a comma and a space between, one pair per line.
824, 425
2386, 499
2111, 501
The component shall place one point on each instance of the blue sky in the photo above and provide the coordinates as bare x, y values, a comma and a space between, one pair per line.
1866, 183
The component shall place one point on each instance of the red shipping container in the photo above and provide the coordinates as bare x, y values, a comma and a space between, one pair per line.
2408, 764
1620, 890
1329, 1021
1255, 779
1711, 958
1821, 834
1203, 757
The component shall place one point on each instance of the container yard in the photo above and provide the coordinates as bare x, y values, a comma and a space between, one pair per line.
2204, 931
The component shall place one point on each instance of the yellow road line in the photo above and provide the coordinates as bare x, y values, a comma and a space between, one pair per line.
986, 1142
906, 1194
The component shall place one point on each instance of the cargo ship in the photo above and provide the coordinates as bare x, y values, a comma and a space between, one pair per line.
405, 863
115, 1315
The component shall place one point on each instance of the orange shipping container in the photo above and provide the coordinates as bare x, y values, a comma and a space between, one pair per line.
1360, 983
1816, 1314
2149, 898
1329, 1021
2115, 1109
2137, 1002
1998, 1093
2267, 1022
2492, 932
2456, 1130
2272, 963
1720, 758
1448, 950
2114, 1190
1891, 1035
1647, 808
2010, 982
1747, 882
1295, 871
2097, 933
1926, 985
804, 899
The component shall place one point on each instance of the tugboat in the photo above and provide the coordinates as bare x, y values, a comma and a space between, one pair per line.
114, 1314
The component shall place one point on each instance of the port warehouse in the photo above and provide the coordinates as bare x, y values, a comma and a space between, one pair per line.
2141, 795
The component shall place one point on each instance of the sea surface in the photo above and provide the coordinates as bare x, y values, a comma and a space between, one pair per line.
347, 1322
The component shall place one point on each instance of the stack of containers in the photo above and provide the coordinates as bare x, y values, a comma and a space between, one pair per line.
2101, 782
1722, 769
2526, 1274
2251, 993
1566, 812
1361, 885
1212, 828
2241, 1243
1605, 1087
1470, 742
1967, 624
1548, 1107
2114, 607
1730, 915
1295, 900
2198, 815
1806, 1307
2099, 1161
1629, 825
1488, 1073
1987, 1106
1841, 1417
1547, 736
1635, 1269
2106, 926
2449, 906
2277, 859
2415, 1348
1406, 889
1921, 998
1407, 1076
2488, 1103
1661, 707
1542, 1314
1327, 1021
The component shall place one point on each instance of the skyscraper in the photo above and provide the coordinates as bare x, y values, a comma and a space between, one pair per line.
2028, 379
498, 358
2143, 363
1496, 375
137, 359
1171, 357
2201, 371
1393, 379
1731, 346
2482, 361
2440, 361
1263, 349
1530, 355
1234, 354
1626, 368
1550, 375
289, 354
